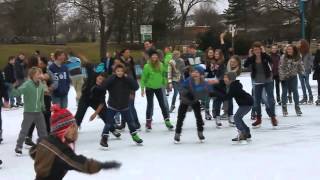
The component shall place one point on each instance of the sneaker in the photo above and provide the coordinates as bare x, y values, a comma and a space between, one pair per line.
258, 122
116, 134
284, 110
298, 110
201, 136
208, 115
136, 138
177, 138
218, 122
168, 124
172, 108
224, 116
310, 101
18, 151
303, 101
274, 121
28, 141
104, 141
148, 125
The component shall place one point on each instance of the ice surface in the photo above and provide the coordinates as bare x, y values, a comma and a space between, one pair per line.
289, 153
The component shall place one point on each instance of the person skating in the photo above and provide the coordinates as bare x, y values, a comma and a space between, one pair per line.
307, 60
61, 80
3, 94
275, 57
244, 101
152, 82
74, 66
193, 89
215, 69
290, 67
261, 76
55, 155
10, 79
94, 95
176, 69
120, 88
33, 96
316, 74
20, 70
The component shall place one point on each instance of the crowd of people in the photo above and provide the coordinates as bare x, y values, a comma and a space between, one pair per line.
205, 81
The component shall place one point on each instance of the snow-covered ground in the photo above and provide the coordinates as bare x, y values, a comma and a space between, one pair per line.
291, 152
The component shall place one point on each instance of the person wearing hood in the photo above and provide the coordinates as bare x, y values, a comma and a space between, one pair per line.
55, 155
193, 90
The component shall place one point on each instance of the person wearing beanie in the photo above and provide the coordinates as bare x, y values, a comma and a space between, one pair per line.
54, 155
234, 89
33, 97
120, 88
153, 81
193, 89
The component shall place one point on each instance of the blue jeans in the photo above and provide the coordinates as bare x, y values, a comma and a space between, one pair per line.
258, 88
134, 114
290, 85
161, 99
11, 97
175, 93
125, 113
61, 101
305, 85
238, 119
217, 102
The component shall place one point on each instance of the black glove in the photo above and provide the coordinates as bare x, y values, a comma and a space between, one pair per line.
111, 165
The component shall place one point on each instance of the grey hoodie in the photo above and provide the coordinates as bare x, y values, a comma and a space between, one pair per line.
307, 62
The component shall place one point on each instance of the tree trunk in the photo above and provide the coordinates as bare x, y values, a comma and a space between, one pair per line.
103, 39
182, 27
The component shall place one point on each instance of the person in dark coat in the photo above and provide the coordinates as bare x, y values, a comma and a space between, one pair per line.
54, 155
120, 88
20, 68
3, 94
10, 79
316, 68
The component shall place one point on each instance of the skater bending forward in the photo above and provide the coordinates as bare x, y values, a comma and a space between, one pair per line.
194, 89
54, 155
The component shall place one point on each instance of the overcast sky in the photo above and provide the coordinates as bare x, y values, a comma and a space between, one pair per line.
221, 5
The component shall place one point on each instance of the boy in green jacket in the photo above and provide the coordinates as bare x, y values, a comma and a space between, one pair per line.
33, 96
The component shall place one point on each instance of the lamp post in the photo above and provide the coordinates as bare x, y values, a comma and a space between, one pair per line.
302, 14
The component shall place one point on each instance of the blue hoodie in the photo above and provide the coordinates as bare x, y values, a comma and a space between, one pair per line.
74, 67
191, 92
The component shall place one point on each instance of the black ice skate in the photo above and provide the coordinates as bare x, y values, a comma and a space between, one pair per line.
177, 138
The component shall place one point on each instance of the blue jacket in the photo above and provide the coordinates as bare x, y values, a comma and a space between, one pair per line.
74, 67
191, 92
61, 80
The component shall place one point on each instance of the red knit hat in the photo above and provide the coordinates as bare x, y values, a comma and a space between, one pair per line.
61, 120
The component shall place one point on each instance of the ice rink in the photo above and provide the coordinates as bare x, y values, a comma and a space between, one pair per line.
290, 152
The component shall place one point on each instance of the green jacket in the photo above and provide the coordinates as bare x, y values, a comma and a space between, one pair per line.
153, 79
33, 96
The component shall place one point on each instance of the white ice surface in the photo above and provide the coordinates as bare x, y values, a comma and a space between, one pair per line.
289, 153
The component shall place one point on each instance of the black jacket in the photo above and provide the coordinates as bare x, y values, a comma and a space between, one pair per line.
92, 93
266, 61
9, 74
316, 66
20, 69
119, 91
3, 89
242, 97
215, 72
53, 159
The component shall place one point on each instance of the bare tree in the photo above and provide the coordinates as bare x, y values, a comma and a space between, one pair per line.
185, 7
